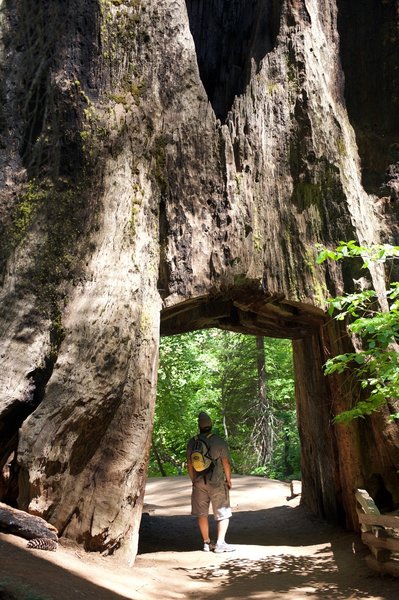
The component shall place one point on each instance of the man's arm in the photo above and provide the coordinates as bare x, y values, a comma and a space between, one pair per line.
227, 471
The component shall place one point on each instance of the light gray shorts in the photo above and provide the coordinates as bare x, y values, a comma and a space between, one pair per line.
204, 493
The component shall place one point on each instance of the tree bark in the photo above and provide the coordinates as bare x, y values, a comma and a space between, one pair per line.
178, 161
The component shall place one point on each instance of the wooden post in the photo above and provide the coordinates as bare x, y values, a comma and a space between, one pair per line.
380, 533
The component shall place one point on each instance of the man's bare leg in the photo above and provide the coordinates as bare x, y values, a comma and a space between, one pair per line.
203, 525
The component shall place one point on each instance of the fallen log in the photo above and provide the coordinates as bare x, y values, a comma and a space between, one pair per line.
25, 525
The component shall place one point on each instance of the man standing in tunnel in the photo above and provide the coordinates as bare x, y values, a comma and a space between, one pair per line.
211, 482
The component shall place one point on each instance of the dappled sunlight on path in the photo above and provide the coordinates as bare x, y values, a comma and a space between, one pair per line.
281, 552
252, 574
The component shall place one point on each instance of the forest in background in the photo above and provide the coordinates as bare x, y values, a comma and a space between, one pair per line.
246, 384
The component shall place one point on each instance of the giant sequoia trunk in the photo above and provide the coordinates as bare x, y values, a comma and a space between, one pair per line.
168, 166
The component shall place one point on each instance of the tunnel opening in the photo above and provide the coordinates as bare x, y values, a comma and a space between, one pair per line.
230, 35
252, 314
246, 384
249, 310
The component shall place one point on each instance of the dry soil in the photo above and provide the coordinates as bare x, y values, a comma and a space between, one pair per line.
281, 552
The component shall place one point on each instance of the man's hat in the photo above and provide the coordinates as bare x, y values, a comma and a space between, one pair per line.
204, 420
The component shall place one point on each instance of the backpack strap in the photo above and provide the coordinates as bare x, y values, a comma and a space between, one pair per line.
204, 437
201, 437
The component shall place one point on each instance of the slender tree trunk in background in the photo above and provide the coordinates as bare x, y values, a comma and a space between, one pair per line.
224, 406
260, 361
263, 435
286, 451
158, 459
226, 431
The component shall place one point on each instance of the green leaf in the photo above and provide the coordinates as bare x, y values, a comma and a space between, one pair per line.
377, 366
359, 358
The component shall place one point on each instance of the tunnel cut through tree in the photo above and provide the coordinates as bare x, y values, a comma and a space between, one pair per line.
245, 383
251, 312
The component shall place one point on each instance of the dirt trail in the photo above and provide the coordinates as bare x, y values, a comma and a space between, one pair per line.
281, 552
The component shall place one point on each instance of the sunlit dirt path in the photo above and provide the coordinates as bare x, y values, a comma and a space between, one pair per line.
281, 552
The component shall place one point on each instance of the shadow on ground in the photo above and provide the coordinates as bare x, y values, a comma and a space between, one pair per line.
279, 526
25, 575
280, 552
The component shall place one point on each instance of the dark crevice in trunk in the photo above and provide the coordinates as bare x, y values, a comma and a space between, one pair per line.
369, 52
11, 422
164, 268
228, 36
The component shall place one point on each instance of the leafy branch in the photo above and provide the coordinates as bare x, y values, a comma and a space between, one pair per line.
373, 253
376, 365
